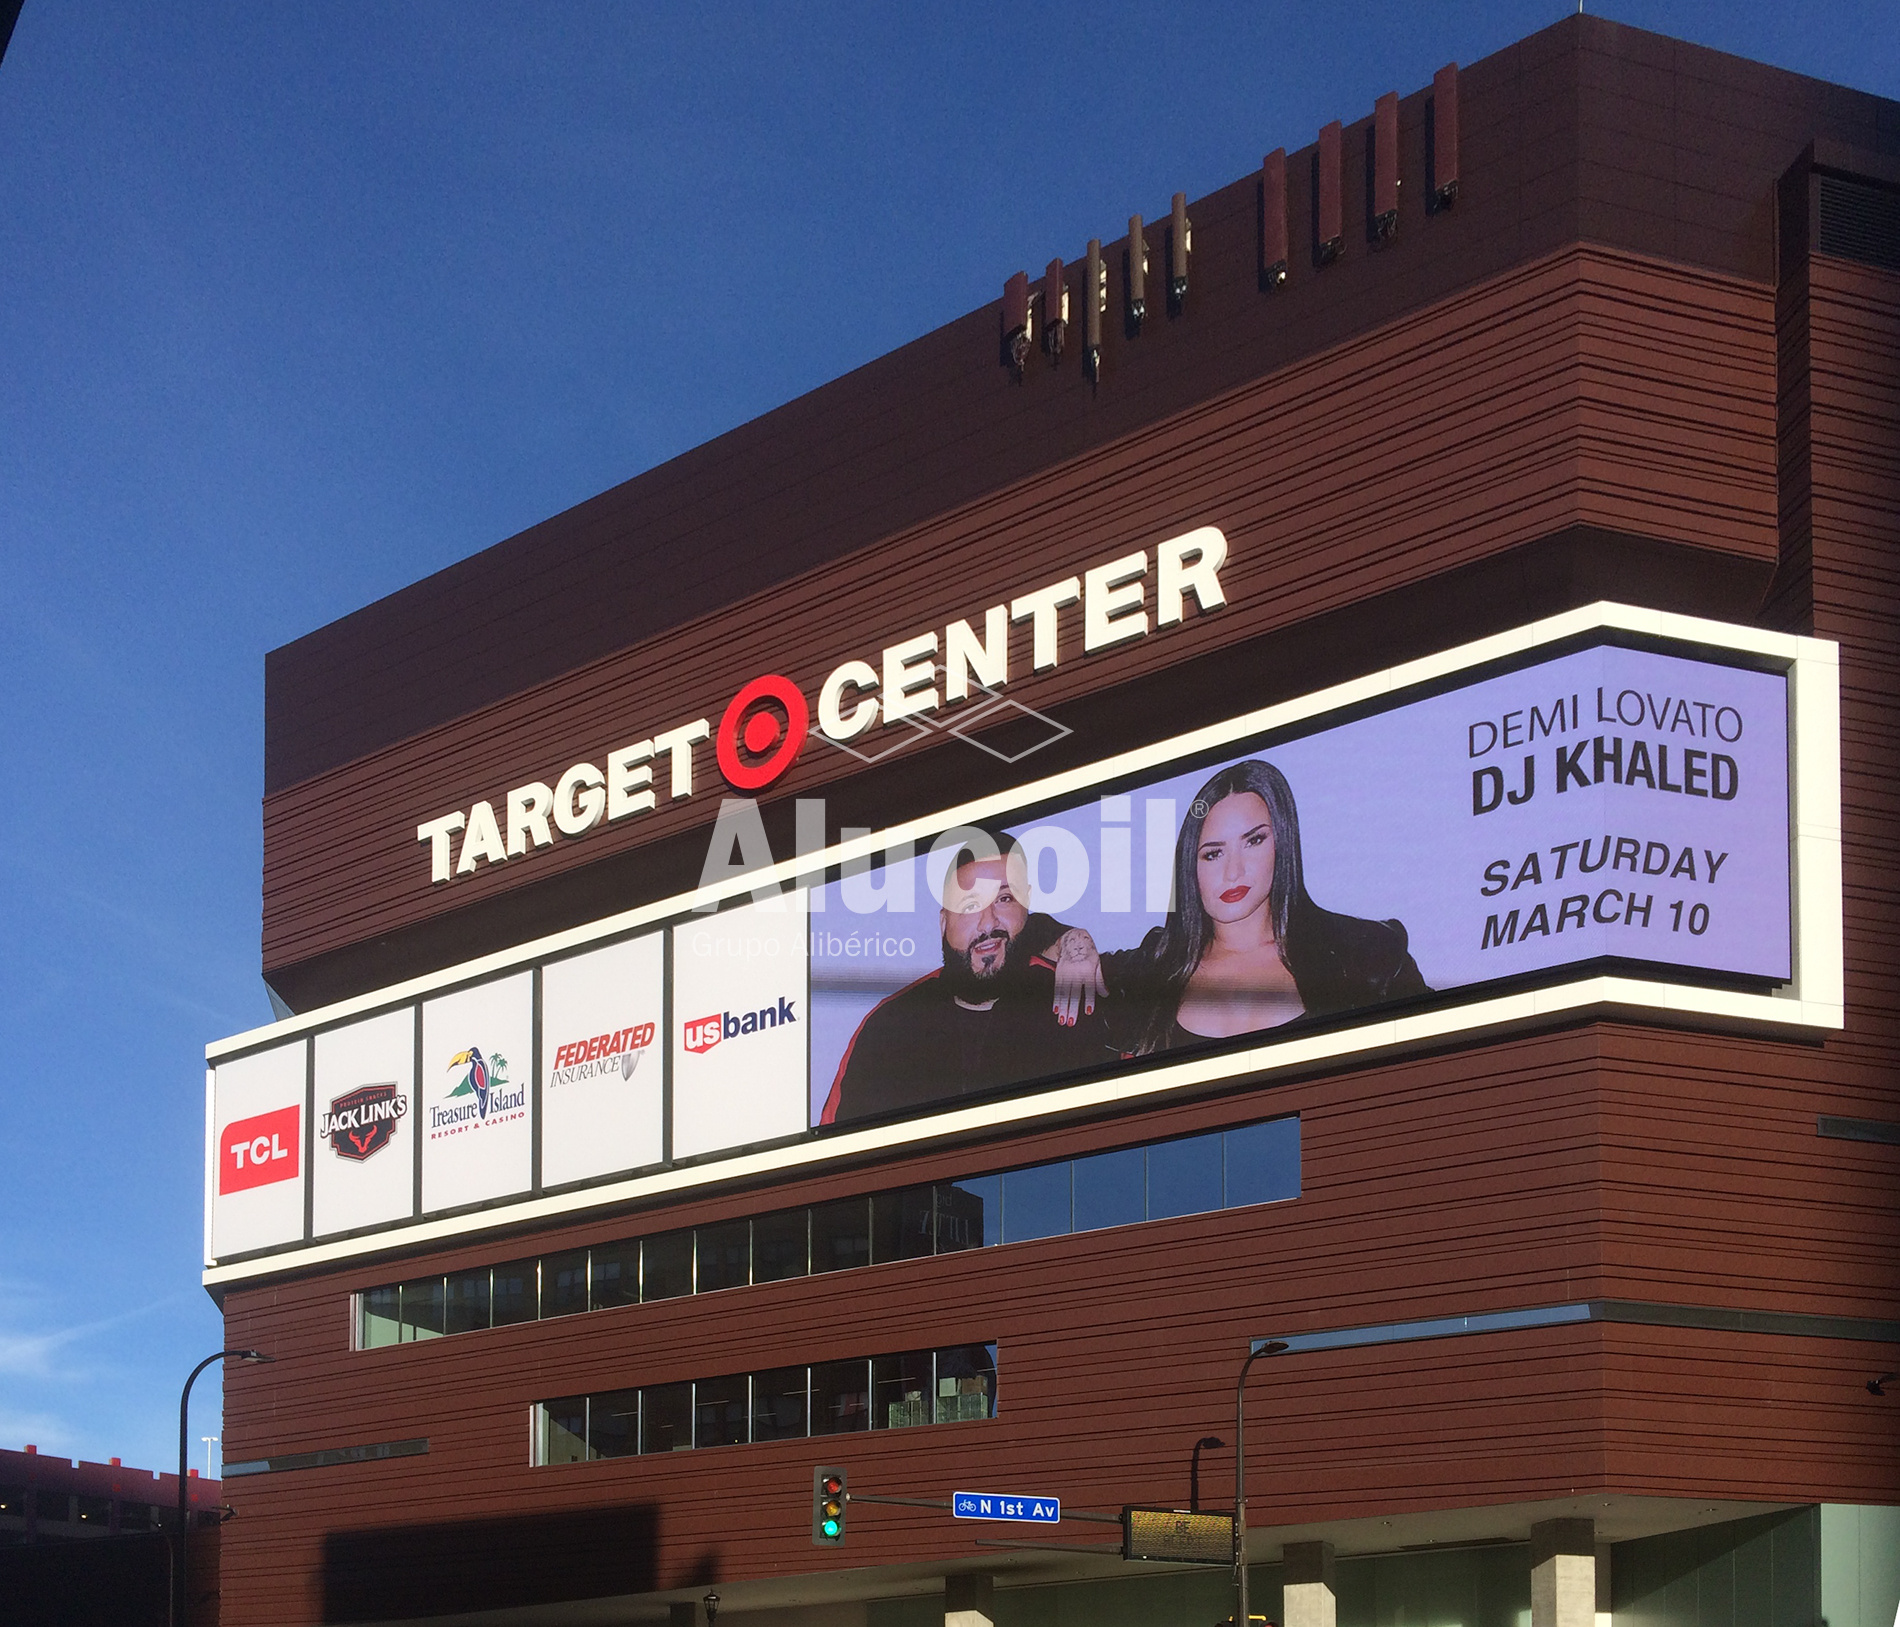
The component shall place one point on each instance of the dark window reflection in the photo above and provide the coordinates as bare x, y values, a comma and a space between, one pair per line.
516, 1294
966, 1383
1257, 1163
1263, 1162
613, 1424
422, 1309
564, 1430
1184, 1177
725, 1256
467, 1305
564, 1283
666, 1417
1038, 1202
723, 1411
781, 1246
382, 1317
840, 1397
901, 1226
967, 1213
1109, 1190
900, 1390
615, 1273
778, 1404
666, 1266
841, 1235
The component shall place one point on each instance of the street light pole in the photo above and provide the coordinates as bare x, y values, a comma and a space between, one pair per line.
1242, 1612
181, 1590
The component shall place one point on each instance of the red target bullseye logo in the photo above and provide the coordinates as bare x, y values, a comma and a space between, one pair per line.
763, 733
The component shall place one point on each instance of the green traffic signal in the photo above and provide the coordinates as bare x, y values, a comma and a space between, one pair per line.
828, 1500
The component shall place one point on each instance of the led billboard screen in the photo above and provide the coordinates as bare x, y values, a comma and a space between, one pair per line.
1584, 813
1607, 804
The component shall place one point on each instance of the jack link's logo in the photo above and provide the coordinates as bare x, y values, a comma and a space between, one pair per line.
364, 1121
259, 1151
703, 1033
496, 1101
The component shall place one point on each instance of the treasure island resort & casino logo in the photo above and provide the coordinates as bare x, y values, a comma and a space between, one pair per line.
482, 1099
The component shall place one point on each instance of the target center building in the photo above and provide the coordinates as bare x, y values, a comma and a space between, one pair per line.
1321, 773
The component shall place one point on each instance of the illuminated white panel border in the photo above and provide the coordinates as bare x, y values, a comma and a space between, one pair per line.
1812, 1000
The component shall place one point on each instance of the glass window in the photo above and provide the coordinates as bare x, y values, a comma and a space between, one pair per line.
466, 1307
422, 1309
1037, 1202
666, 1266
1263, 1162
1109, 1190
778, 1403
613, 1424
516, 1294
666, 1418
95, 1510
840, 1397
1184, 1176
841, 1235
781, 1246
722, 1409
900, 1390
51, 1505
135, 1516
382, 1321
966, 1383
967, 1213
614, 1274
564, 1430
564, 1283
724, 1256
901, 1225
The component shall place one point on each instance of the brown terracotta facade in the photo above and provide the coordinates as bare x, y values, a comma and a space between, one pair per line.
1639, 358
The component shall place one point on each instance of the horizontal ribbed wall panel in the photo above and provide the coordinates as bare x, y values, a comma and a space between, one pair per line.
1588, 390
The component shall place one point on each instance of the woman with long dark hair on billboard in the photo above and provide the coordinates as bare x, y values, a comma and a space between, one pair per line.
1245, 947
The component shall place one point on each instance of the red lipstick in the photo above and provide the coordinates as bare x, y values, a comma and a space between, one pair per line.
1234, 895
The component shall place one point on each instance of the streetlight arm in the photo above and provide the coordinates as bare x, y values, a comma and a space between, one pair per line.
181, 1601
1270, 1347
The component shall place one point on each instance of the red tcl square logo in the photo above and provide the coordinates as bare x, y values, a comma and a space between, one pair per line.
257, 1151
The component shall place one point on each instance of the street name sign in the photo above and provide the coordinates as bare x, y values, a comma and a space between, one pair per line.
1003, 1505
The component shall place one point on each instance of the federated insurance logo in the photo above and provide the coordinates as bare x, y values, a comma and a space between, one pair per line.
601, 1055
487, 1097
703, 1033
363, 1122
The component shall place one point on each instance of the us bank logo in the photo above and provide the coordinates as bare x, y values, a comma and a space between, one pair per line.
484, 1097
703, 1033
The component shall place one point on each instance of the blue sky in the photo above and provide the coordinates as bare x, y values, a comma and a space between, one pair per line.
298, 304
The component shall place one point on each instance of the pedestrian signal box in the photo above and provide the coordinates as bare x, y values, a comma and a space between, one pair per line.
829, 1498
1176, 1534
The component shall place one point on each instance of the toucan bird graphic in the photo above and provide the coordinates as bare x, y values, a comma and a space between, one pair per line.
478, 1081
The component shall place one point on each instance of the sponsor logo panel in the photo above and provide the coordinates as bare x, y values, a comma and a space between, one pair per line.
701, 1034
362, 1122
260, 1151
484, 1098
601, 1055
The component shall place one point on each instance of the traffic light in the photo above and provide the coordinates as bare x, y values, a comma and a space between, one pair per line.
829, 1499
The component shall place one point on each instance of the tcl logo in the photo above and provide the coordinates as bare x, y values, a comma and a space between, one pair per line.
257, 1151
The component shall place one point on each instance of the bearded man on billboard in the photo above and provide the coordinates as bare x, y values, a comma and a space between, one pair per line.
993, 1016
